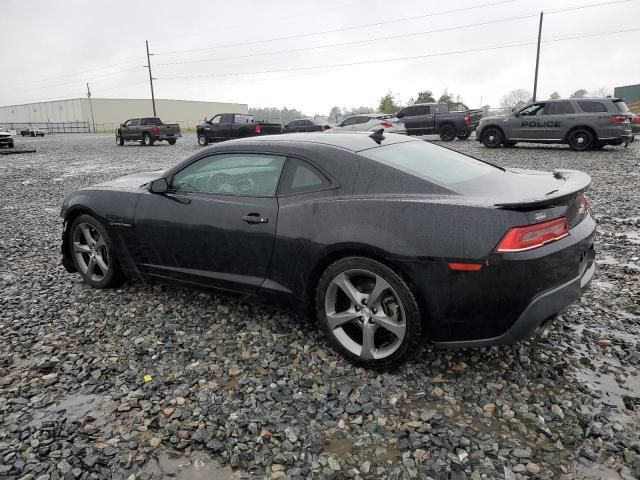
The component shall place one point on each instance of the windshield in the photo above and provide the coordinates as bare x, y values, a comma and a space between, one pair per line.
430, 162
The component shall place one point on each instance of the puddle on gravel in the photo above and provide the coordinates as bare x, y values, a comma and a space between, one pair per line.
343, 447
199, 467
77, 407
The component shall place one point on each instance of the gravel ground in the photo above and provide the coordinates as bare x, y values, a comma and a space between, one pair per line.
238, 390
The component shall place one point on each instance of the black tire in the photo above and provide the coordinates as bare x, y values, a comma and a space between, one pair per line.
492, 138
580, 140
406, 311
119, 140
464, 135
171, 141
203, 141
447, 132
147, 140
509, 144
82, 260
33, 134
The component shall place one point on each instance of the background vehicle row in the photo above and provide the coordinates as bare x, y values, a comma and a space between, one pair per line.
435, 118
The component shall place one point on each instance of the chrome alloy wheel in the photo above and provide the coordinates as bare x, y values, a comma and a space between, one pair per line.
365, 314
90, 252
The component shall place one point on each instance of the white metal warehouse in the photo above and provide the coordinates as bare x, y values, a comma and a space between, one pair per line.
105, 114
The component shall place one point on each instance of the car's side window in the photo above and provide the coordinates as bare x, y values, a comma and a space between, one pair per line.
302, 177
134, 122
247, 174
422, 110
363, 119
558, 108
592, 107
535, 109
216, 119
349, 121
127, 123
145, 122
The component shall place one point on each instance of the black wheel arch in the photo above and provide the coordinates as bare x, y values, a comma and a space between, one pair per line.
488, 127
581, 127
339, 252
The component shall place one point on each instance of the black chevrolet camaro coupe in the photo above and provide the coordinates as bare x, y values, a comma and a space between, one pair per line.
391, 241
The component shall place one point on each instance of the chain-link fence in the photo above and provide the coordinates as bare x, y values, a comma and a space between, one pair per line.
48, 127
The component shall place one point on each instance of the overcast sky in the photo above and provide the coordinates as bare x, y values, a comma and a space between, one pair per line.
51, 49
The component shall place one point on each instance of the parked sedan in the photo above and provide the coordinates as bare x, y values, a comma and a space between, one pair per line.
369, 122
390, 241
32, 132
306, 125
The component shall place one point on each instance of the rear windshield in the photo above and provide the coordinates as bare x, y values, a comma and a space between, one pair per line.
429, 162
621, 106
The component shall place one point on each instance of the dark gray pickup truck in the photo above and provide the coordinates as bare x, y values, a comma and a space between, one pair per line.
226, 126
583, 123
147, 131
431, 118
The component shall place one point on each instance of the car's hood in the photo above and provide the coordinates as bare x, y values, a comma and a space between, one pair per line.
494, 117
136, 180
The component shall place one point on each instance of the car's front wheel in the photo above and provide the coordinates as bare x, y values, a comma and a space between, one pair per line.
93, 253
492, 138
368, 313
581, 140
119, 140
202, 140
147, 140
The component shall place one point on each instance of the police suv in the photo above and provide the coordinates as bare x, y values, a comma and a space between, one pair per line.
583, 123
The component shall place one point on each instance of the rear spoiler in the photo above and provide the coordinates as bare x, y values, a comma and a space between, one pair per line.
574, 182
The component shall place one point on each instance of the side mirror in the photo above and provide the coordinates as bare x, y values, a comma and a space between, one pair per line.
399, 115
159, 185
122, 124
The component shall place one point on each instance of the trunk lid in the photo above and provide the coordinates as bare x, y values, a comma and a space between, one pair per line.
541, 195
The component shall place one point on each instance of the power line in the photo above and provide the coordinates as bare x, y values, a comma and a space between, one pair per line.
343, 29
392, 37
398, 59
355, 42
139, 59
270, 21
44, 87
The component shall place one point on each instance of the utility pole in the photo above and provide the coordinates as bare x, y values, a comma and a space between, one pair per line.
153, 98
535, 81
93, 121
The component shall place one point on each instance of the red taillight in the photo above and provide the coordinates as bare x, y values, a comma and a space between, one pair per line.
533, 236
467, 118
386, 124
155, 129
619, 118
324, 127
636, 119
258, 128
468, 267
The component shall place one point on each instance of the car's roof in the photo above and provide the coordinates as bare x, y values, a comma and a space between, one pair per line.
588, 99
354, 141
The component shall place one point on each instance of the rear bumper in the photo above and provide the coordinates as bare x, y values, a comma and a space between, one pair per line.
167, 137
542, 308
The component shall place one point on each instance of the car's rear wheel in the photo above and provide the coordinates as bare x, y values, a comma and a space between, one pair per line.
147, 139
368, 313
171, 141
581, 140
464, 135
119, 140
492, 138
447, 132
93, 253
202, 140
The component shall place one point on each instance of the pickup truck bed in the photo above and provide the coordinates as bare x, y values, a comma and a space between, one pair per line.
226, 126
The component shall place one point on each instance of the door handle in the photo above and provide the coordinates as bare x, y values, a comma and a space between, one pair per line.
254, 218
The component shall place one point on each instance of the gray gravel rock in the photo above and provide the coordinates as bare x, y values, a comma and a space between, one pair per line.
247, 391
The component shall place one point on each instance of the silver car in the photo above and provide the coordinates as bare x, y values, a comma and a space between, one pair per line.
369, 122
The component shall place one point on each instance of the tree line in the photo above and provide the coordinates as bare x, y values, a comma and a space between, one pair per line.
520, 97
